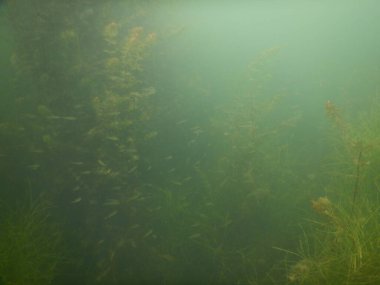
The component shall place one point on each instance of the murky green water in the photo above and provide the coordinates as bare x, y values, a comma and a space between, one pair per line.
233, 142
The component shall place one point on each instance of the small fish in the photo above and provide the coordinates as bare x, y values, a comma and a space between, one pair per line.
111, 202
167, 257
135, 196
131, 150
149, 91
54, 117
197, 130
34, 166
76, 188
135, 226
151, 135
112, 138
101, 162
197, 235
69, 118
155, 209
148, 233
37, 151
181, 122
110, 215
77, 200
132, 169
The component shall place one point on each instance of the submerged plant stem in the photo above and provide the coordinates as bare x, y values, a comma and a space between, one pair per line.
357, 178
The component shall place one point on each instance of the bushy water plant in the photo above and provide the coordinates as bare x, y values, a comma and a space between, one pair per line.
342, 244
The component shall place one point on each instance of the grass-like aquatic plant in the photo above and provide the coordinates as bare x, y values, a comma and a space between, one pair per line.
29, 245
341, 248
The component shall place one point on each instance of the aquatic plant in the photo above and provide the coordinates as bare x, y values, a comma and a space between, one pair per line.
83, 118
235, 197
355, 150
30, 245
341, 248
341, 245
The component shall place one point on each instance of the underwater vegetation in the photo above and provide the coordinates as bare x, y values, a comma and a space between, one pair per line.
78, 130
149, 187
341, 245
31, 246
341, 248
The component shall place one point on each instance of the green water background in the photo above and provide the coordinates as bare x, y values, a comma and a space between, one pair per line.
199, 67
